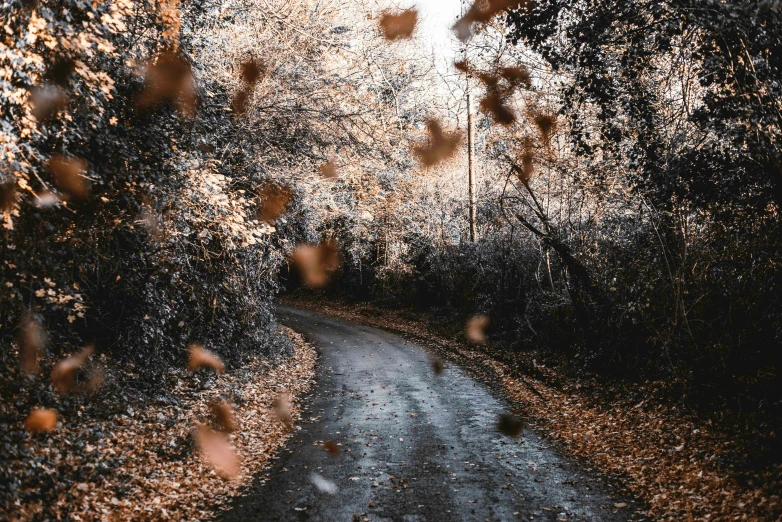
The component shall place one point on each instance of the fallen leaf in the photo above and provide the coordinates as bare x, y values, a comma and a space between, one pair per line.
331, 447
440, 146
168, 78
328, 170
274, 201
476, 327
217, 452
251, 71
437, 365
483, 11
223, 415
7, 195
200, 356
41, 419
67, 173
282, 409
494, 104
323, 485
546, 124
509, 425
398, 26
32, 340
64, 373
316, 263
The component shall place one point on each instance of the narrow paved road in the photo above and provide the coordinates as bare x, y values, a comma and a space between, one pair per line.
414, 446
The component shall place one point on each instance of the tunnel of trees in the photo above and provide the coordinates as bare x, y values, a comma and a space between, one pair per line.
165, 164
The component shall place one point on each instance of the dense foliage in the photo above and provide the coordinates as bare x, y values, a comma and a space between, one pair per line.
628, 160
142, 143
629, 216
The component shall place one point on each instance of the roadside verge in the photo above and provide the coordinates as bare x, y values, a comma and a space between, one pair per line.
115, 457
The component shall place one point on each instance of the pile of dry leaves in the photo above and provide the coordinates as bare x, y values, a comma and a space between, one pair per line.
681, 466
114, 456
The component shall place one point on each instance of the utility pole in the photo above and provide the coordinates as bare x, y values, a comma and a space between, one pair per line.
470, 138
470, 167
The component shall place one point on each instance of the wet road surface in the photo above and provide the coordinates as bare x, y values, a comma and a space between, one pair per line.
415, 446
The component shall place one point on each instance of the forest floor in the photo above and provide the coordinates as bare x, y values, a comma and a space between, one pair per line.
122, 454
683, 466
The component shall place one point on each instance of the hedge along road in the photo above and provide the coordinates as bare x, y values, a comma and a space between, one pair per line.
415, 446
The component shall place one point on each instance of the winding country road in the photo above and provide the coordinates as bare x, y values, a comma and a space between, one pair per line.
415, 446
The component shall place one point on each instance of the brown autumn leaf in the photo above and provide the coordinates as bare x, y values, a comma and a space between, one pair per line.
96, 380
316, 263
483, 11
168, 78
437, 365
68, 176
546, 124
527, 166
41, 419
462, 66
47, 101
516, 76
32, 340
440, 146
282, 409
509, 425
200, 356
251, 71
223, 415
476, 327
206, 148
488, 79
217, 452
494, 104
398, 26
328, 170
331, 447
240, 101
274, 201
64, 373
7, 195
